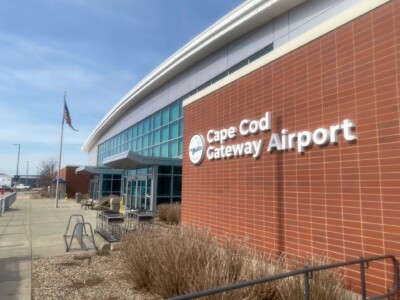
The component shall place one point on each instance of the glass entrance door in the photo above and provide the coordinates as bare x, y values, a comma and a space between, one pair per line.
138, 192
94, 189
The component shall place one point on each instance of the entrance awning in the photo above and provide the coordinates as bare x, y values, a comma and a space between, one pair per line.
96, 171
133, 160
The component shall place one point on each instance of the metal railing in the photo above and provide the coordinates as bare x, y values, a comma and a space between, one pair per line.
306, 271
6, 201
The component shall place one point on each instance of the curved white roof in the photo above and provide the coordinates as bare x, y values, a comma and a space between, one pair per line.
246, 17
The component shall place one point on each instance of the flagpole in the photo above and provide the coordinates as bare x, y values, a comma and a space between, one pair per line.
59, 157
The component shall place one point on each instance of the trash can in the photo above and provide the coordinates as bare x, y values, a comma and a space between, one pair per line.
78, 197
115, 203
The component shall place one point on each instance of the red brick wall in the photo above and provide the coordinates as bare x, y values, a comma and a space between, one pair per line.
340, 201
75, 182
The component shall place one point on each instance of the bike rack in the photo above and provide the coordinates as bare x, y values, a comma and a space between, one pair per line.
80, 233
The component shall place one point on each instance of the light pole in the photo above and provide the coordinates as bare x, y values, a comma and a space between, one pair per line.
16, 176
27, 172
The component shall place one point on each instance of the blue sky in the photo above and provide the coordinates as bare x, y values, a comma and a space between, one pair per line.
95, 51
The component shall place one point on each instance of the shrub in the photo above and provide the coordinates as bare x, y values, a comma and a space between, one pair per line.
324, 285
162, 211
169, 213
186, 260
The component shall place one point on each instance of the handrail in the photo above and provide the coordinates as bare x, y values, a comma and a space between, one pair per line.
6, 201
363, 262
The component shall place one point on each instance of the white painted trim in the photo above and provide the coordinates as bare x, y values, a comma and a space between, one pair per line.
331, 24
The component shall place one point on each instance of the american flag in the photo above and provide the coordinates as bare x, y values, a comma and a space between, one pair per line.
67, 117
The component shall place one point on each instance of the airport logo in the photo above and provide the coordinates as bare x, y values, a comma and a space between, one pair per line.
196, 149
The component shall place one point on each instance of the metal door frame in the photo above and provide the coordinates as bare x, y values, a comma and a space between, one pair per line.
132, 199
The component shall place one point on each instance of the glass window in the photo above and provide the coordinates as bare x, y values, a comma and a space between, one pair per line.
180, 130
134, 131
139, 143
133, 145
146, 125
164, 185
129, 136
178, 170
145, 152
140, 128
181, 108
237, 67
176, 199
173, 148
156, 151
150, 122
106, 185
145, 141
164, 133
174, 109
173, 130
165, 116
156, 137
177, 185
180, 146
163, 200
164, 170
116, 186
164, 150
157, 120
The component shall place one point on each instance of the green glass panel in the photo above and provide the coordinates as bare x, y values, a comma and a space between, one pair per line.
173, 148
165, 116
140, 128
157, 120
180, 130
174, 109
150, 122
164, 150
180, 146
156, 137
146, 125
145, 141
181, 108
173, 130
134, 131
139, 143
156, 151
134, 145
164, 134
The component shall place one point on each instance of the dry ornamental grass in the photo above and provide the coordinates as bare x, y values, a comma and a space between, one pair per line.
165, 261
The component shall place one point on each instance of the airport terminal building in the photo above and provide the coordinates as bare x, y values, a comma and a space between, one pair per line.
279, 123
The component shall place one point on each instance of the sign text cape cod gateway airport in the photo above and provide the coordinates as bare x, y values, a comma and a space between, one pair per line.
285, 140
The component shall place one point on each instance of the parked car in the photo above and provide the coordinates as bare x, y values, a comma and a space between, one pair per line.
6, 188
21, 187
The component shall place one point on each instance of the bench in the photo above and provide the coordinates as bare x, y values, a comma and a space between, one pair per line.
87, 203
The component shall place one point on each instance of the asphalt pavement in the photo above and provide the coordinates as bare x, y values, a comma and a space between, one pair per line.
33, 228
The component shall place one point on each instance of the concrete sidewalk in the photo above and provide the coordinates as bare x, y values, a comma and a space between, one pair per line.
33, 228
